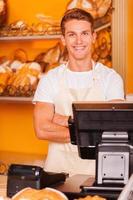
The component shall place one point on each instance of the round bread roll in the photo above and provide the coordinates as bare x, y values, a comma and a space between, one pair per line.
43, 194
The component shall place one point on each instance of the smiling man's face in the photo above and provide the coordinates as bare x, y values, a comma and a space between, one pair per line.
78, 39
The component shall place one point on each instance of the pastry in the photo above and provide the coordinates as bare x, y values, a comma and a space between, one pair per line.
20, 55
43, 194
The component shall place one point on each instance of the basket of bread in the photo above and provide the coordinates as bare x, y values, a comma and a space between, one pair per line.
19, 77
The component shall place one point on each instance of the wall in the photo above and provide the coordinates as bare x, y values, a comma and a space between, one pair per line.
129, 78
16, 127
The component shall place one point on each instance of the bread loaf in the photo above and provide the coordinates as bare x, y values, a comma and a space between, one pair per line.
43, 194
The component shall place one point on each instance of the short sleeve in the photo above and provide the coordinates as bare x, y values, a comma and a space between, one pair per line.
44, 91
115, 87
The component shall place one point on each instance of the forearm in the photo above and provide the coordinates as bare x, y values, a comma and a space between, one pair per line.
49, 125
53, 132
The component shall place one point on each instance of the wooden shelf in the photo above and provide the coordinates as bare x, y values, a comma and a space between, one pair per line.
30, 37
16, 99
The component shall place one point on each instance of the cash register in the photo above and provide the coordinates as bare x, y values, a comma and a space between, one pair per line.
104, 131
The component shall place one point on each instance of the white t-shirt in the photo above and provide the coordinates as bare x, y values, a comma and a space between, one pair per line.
49, 84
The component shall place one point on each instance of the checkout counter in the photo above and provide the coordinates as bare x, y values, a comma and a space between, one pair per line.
102, 131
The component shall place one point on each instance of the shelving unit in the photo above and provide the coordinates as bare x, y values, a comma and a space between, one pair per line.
4, 99
12, 99
30, 37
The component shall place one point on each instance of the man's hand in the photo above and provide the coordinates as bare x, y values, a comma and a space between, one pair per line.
60, 119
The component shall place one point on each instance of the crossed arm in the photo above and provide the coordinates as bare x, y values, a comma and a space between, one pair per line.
49, 125
52, 126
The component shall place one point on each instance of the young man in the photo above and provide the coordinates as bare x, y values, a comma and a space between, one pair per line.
81, 79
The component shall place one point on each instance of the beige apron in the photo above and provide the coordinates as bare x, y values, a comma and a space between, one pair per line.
64, 157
